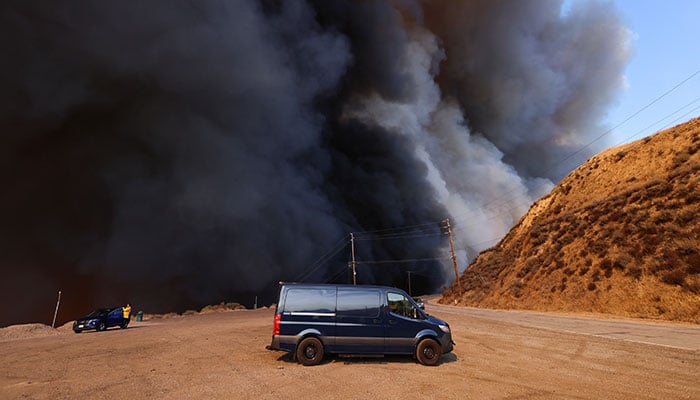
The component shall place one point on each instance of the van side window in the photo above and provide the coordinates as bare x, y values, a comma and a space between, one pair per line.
359, 303
310, 300
400, 305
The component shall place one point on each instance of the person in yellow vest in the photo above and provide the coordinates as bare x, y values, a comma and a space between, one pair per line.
126, 314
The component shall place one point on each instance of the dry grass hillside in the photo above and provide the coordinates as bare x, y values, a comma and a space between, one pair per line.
619, 235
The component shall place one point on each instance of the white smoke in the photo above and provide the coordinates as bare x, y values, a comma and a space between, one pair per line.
483, 195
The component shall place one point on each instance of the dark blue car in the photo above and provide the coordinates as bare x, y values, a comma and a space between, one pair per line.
312, 320
101, 319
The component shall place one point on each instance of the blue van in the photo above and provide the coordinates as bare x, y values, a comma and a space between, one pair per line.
312, 319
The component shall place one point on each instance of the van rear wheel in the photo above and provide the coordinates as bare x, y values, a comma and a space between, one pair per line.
428, 352
310, 351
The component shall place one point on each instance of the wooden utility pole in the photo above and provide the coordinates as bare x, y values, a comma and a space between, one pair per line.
352, 247
55, 313
454, 258
409, 283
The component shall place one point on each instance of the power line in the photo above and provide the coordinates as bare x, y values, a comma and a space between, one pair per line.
662, 119
403, 236
337, 247
607, 132
403, 260
405, 227
337, 274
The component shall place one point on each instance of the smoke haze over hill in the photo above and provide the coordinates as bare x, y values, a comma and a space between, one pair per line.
176, 154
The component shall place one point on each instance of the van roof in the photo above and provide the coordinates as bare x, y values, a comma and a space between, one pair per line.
328, 285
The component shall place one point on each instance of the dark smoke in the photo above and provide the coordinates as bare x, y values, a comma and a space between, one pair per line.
177, 154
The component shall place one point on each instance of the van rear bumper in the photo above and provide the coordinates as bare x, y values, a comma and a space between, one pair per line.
275, 344
283, 343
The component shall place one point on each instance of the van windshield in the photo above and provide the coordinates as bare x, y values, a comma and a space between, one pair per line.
400, 305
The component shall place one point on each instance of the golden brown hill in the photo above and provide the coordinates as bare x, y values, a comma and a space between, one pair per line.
619, 235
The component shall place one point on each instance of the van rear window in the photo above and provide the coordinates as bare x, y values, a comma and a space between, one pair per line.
356, 303
310, 300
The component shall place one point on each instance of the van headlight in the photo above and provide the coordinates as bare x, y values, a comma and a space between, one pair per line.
444, 328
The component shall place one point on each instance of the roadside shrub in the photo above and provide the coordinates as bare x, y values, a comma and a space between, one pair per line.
592, 286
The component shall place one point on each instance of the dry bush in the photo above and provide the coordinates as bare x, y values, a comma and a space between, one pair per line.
680, 159
516, 288
685, 217
693, 261
592, 286
634, 272
693, 287
663, 217
566, 239
675, 276
622, 261
693, 195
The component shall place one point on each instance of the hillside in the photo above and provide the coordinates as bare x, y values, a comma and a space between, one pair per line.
619, 235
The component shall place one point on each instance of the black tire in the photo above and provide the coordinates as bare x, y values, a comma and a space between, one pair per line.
310, 351
428, 352
77, 330
124, 324
101, 326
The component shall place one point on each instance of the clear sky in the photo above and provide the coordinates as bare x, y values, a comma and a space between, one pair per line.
666, 51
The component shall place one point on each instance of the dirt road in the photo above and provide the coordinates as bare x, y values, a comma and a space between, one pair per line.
222, 356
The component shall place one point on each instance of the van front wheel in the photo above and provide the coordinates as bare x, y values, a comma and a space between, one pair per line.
428, 352
310, 351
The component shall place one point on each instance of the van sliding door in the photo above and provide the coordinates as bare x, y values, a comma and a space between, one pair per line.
359, 324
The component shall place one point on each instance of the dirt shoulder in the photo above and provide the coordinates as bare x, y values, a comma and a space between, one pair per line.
223, 356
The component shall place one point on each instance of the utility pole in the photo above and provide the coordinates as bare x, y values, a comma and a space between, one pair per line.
454, 258
55, 313
352, 247
409, 284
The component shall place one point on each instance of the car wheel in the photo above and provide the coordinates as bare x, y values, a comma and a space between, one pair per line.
77, 330
101, 326
428, 352
310, 351
124, 324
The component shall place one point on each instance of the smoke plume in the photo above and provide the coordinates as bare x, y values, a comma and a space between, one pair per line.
177, 154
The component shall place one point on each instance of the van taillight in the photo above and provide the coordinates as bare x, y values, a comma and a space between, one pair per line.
276, 326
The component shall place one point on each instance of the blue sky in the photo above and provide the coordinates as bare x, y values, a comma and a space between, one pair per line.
666, 51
